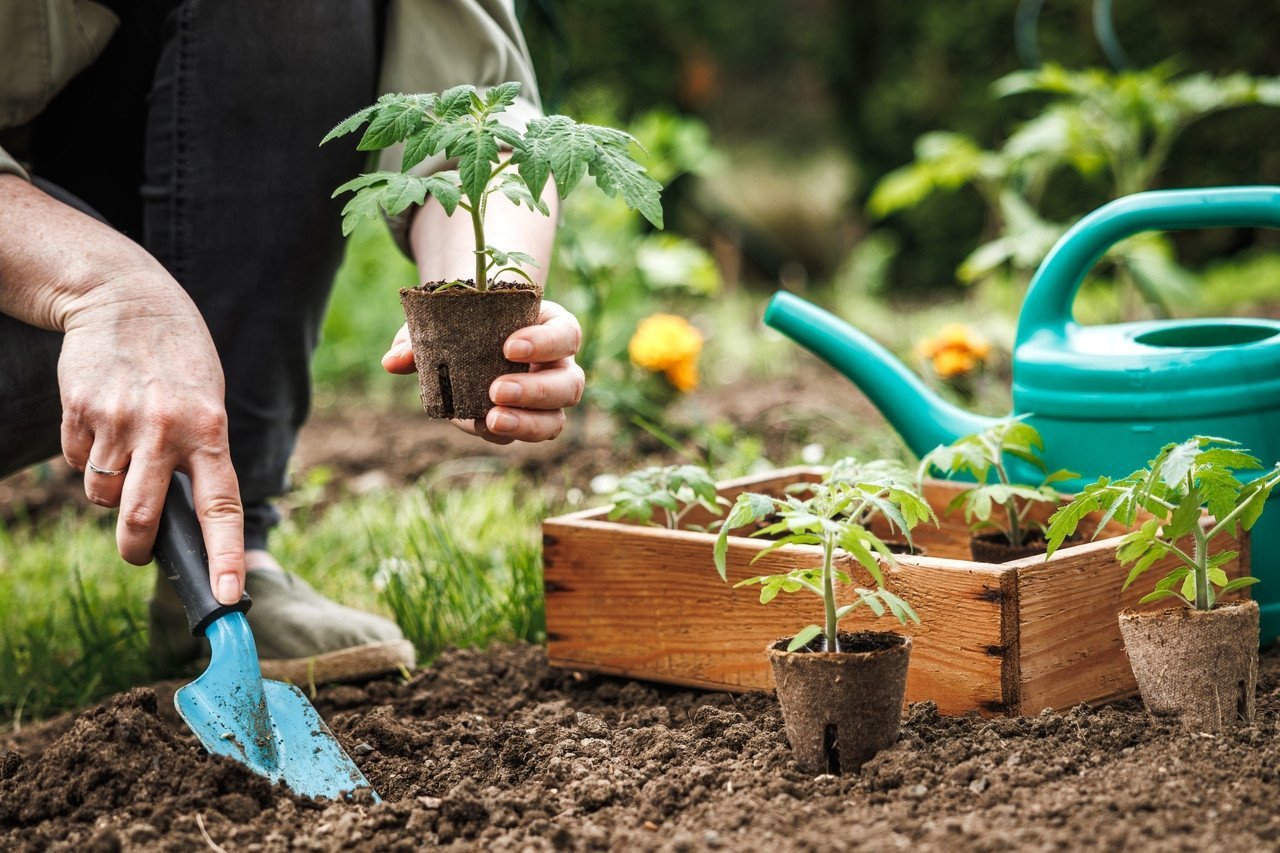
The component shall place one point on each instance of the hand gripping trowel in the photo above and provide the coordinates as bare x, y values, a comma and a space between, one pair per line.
268, 726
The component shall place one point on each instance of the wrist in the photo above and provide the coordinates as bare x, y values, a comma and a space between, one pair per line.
57, 264
123, 292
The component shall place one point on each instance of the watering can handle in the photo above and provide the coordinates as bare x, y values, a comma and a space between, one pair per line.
1053, 290
179, 550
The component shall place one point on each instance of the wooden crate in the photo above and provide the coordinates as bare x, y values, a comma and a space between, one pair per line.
1014, 638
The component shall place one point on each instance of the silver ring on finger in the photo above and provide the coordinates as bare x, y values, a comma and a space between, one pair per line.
107, 472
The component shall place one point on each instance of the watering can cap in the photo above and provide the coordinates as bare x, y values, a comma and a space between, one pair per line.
1178, 368
1156, 369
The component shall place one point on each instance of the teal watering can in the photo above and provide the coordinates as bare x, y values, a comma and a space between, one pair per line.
1105, 398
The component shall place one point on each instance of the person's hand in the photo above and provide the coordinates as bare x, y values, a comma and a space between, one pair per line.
141, 384
142, 392
528, 406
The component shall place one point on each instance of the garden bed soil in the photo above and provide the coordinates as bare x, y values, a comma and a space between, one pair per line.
495, 751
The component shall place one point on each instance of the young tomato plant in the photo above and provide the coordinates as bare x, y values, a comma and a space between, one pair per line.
461, 123
981, 453
1172, 488
672, 491
834, 517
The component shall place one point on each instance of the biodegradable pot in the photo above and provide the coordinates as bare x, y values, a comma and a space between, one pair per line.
1199, 666
457, 336
993, 547
841, 708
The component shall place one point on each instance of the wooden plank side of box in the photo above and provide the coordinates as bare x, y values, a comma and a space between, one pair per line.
647, 603
1068, 633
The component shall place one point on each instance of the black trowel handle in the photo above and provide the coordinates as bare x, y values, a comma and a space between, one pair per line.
180, 552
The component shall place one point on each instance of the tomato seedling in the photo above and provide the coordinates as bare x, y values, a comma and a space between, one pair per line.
834, 516
461, 123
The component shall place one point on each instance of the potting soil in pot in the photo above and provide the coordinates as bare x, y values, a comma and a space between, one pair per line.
494, 751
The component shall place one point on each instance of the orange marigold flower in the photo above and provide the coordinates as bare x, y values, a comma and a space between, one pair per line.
955, 350
663, 341
683, 375
953, 362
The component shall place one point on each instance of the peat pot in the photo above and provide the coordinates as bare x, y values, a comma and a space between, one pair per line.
1199, 666
457, 336
841, 708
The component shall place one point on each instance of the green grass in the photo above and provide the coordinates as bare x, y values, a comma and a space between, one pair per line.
72, 617
455, 561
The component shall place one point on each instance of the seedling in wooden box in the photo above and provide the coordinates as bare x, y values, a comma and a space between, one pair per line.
1013, 533
1198, 662
638, 600
667, 493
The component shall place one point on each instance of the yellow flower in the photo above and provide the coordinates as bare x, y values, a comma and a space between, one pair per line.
663, 342
955, 350
683, 375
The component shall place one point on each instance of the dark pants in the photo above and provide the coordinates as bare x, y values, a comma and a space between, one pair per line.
195, 133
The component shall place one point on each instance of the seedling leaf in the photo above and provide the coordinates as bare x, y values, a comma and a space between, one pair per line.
806, 636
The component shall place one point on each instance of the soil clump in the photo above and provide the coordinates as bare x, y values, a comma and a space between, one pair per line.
494, 750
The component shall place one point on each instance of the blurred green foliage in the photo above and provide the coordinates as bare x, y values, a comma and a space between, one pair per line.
1113, 129
612, 270
364, 314
875, 75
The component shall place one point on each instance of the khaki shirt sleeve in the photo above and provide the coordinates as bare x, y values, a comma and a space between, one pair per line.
43, 44
432, 45
10, 166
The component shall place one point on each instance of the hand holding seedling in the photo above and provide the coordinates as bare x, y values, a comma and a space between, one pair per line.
1173, 487
978, 455
530, 406
833, 517
492, 187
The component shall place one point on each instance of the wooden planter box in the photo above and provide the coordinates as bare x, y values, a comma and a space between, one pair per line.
1013, 638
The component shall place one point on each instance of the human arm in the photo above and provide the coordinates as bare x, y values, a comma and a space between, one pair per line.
140, 381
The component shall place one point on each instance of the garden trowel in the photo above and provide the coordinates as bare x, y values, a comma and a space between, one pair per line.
268, 726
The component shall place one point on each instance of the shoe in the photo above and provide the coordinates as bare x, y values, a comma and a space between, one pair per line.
302, 637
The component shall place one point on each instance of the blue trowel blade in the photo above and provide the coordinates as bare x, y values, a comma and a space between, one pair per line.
269, 726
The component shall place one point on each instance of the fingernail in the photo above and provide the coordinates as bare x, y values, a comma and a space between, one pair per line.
396, 351
519, 349
503, 422
229, 588
506, 392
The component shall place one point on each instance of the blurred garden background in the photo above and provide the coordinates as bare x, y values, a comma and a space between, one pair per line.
906, 165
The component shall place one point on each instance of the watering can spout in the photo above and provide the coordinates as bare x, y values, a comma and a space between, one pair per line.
921, 417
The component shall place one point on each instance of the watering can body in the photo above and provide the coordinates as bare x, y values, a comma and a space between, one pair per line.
1104, 398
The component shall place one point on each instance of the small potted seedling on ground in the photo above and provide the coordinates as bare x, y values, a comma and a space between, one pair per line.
457, 328
665, 496
1198, 661
841, 693
999, 513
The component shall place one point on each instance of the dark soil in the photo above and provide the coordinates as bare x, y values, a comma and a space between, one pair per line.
856, 642
994, 547
494, 751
